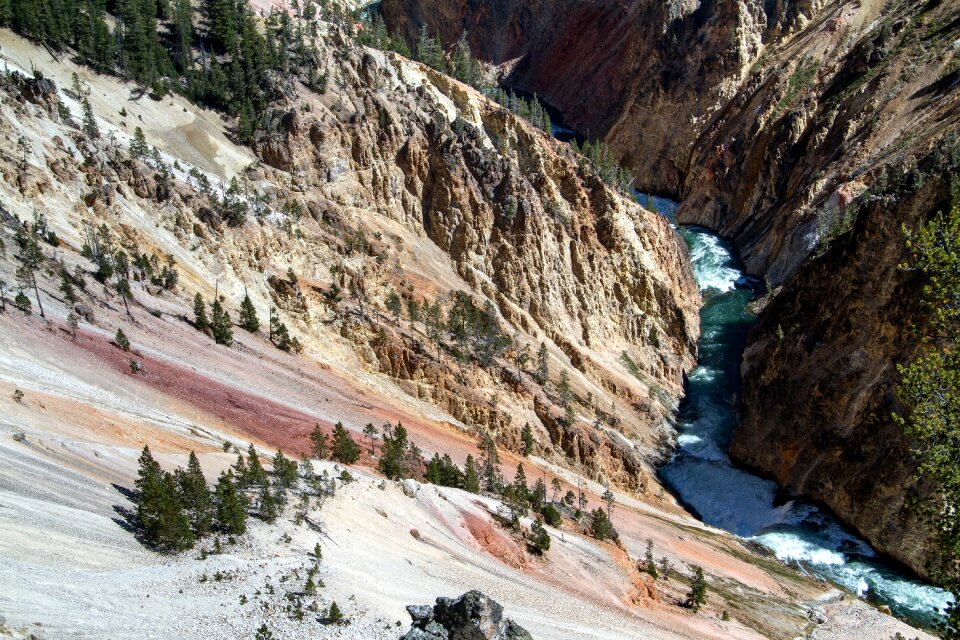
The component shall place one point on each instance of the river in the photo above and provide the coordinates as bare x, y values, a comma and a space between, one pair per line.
704, 478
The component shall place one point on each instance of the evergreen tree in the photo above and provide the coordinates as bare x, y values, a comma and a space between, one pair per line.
231, 506
138, 146
239, 470
345, 449
698, 590
600, 527
122, 341
159, 511
650, 565
434, 473
66, 287
564, 388
490, 463
394, 305
393, 452
195, 496
31, 259
248, 315
200, 319
519, 487
539, 539
220, 324
334, 615
269, 509
284, 470
256, 475
371, 432
543, 364
182, 34
90, 126
319, 444
471, 478
527, 436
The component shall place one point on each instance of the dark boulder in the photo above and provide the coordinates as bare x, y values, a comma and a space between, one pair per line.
472, 616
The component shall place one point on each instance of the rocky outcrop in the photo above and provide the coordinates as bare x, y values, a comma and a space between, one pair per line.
558, 255
472, 616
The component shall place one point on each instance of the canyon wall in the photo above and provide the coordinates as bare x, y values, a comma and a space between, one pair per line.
561, 257
777, 124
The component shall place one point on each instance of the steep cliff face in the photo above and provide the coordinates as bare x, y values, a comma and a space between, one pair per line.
832, 339
644, 75
768, 120
563, 259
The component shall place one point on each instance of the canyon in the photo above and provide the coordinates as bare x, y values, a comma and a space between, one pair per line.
446, 265
807, 133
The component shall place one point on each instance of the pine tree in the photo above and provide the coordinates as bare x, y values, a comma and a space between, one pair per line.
650, 565
319, 444
122, 341
182, 34
66, 287
434, 473
138, 146
231, 506
371, 432
490, 463
269, 509
543, 364
698, 590
284, 470
31, 259
239, 470
527, 436
394, 305
334, 615
90, 126
159, 511
195, 496
519, 487
393, 452
256, 475
564, 388
345, 450
200, 313
539, 538
600, 527
248, 315
220, 324
471, 478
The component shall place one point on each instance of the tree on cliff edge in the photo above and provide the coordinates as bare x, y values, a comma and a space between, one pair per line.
930, 389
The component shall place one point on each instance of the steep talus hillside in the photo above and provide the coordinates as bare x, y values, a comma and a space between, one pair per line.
777, 124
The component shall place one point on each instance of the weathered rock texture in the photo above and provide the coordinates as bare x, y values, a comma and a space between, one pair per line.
561, 257
472, 616
768, 119
832, 339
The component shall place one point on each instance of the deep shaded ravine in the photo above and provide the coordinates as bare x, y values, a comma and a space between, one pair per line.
724, 496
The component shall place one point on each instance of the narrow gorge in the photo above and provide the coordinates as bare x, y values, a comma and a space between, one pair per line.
808, 134
581, 319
